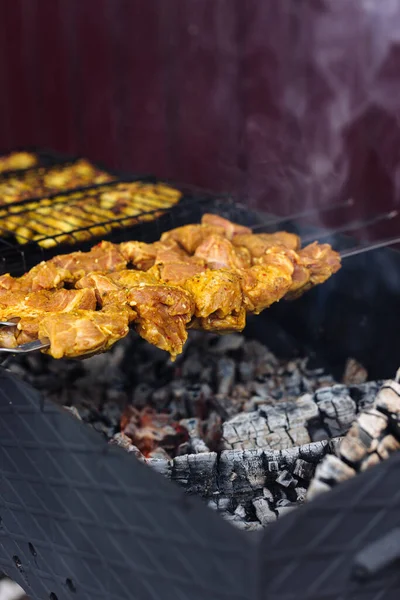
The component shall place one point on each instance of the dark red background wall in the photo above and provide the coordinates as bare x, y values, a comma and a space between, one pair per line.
188, 89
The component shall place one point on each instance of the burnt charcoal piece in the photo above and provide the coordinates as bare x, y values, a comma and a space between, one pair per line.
370, 440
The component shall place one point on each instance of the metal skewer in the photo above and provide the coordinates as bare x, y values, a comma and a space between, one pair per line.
354, 225
369, 247
305, 213
28, 347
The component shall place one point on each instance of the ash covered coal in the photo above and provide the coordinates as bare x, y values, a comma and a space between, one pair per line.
228, 420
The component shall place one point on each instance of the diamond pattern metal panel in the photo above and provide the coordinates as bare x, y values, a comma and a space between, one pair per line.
83, 519
310, 555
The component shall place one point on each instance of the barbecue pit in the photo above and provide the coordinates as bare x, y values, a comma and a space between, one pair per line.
78, 511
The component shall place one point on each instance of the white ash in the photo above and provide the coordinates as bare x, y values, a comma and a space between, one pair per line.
373, 437
228, 420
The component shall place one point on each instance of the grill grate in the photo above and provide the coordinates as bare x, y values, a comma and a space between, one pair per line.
52, 221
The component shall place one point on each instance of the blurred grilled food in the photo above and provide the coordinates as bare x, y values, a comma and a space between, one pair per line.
43, 181
16, 161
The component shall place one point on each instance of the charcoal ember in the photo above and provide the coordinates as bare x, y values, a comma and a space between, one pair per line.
226, 406
228, 343
303, 469
85, 413
301, 494
316, 488
246, 371
111, 412
388, 399
333, 470
160, 398
241, 523
354, 372
240, 393
122, 440
268, 495
141, 394
158, 453
149, 430
192, 366
355, 446
213, 430
261, 389
371, 460
194, 429
226, 369
196, 397
285, 510
184, 448
280, 426
240, 511
369, 440
292, 376
219, 503
101, 427
116, 396
387, 446
337, 408
258, 353
74, 411
282, 503
207, 374
285, 479
373, 423
263, 511
254, 403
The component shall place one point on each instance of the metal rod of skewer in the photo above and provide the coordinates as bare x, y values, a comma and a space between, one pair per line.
305, 213
369, 247
353, 226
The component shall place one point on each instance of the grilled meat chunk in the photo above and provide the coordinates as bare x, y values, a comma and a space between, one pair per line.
105, 257
44, 276
189, 237
230, 229
139, 254
264, 284
258, 243
82, 332
163, 313
215, 292
219, 253
31, 308
321, 261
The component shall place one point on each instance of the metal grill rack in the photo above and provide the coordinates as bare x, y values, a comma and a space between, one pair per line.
154, 213
31, 177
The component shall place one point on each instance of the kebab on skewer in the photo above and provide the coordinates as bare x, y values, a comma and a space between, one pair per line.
206, 276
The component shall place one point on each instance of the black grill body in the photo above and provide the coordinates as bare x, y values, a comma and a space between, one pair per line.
81, 519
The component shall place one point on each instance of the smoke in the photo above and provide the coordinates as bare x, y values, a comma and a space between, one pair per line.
339, 100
